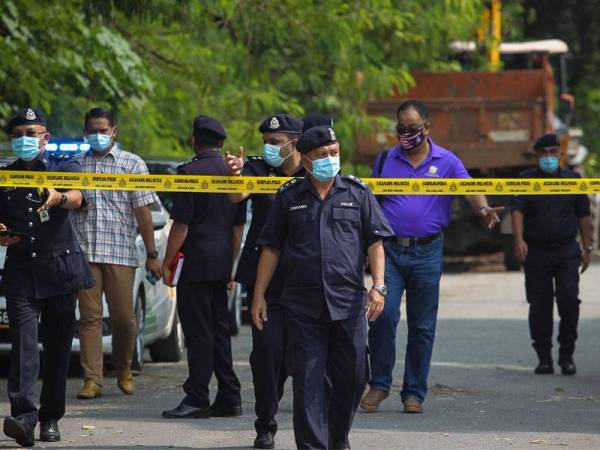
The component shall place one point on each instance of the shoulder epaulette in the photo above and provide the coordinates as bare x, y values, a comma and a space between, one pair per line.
356, 180
289, 184
255, 158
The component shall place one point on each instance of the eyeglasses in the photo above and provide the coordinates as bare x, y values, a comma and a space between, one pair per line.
412, 129
31, 133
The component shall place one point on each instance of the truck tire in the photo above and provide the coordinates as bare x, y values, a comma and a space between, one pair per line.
510, 260
170, 348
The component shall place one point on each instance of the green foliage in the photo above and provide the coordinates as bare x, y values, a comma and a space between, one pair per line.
159, 63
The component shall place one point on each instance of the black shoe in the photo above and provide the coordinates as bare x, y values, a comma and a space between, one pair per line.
20, 430
568, 368
225, 411
341, 445
49, 431
187, 411
265, 440
544, 368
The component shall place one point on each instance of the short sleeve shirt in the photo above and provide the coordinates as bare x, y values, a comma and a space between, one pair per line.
551, 218
419, 215
107, 228
255, 166
323, 244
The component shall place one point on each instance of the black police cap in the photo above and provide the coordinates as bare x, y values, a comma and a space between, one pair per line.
547, 140
316, 137
315, 120
281, 123
209, 125
27, 116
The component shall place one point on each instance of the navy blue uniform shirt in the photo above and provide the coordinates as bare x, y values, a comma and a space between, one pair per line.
210, 219
49, 262
323, 244
551, 218
261, 205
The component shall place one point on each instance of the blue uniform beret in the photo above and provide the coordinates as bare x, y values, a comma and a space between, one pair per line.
28, 116
281, 123
547, 140
209, 125
316, 120
316, 137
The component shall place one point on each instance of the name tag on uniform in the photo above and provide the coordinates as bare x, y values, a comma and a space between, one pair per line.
353, 205
44, 215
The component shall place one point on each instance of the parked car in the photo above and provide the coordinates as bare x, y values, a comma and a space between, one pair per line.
155, 307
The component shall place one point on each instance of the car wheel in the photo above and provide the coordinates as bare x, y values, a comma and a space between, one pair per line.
235, 310
170, 348
138, 352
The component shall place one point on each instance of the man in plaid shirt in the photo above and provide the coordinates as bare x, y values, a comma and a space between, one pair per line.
107, 230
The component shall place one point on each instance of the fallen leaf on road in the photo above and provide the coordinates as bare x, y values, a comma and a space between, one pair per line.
543, 442
88, 427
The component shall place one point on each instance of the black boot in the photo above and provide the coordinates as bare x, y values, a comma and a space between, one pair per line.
21, 430
567, 366
265, 440
49, 431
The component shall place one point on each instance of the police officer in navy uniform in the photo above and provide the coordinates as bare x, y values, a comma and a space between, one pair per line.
44, 269
207, 229
267, 360
320, 230
545, 231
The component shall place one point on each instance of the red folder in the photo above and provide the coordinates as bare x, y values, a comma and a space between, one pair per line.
176, 266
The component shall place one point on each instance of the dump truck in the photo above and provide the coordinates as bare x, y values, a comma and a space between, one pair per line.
491, 121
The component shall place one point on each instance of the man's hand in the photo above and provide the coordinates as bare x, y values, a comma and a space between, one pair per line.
154, 265
235, 163
375, 305
521, 250
166, 275
586, 258
259, 312
490, 215
54, 198
7, 240
231, 283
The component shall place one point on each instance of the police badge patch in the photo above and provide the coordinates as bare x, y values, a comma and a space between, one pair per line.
30, 115
332, 134
274, 124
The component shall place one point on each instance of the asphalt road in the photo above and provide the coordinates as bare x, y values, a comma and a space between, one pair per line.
483, 393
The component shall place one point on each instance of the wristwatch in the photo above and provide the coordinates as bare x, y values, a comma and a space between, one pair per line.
152, 255
63, 199
381, 288
589, 249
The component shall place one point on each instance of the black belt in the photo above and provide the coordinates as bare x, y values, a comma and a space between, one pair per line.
415, 241
549, 245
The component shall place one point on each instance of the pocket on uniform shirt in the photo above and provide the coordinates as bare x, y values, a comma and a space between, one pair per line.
66, 260
346, 221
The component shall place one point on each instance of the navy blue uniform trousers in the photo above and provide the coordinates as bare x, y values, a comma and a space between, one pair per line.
202, 309
57, 328
550, 272
268, 364
326, 350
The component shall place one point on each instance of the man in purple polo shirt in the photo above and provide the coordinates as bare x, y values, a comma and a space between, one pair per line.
413, 260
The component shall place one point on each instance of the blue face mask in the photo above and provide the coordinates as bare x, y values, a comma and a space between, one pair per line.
272, 156
26, 147
549, 164
325, 169
99, 142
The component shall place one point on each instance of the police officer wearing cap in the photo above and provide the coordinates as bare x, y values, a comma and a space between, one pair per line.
320, 230
207, 229
316, 120
267, 360
545, 230
44, 269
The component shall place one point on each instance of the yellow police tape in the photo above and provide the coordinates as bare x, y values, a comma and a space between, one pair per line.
268, 185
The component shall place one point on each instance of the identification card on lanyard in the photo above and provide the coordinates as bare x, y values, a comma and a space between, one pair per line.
43, 212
